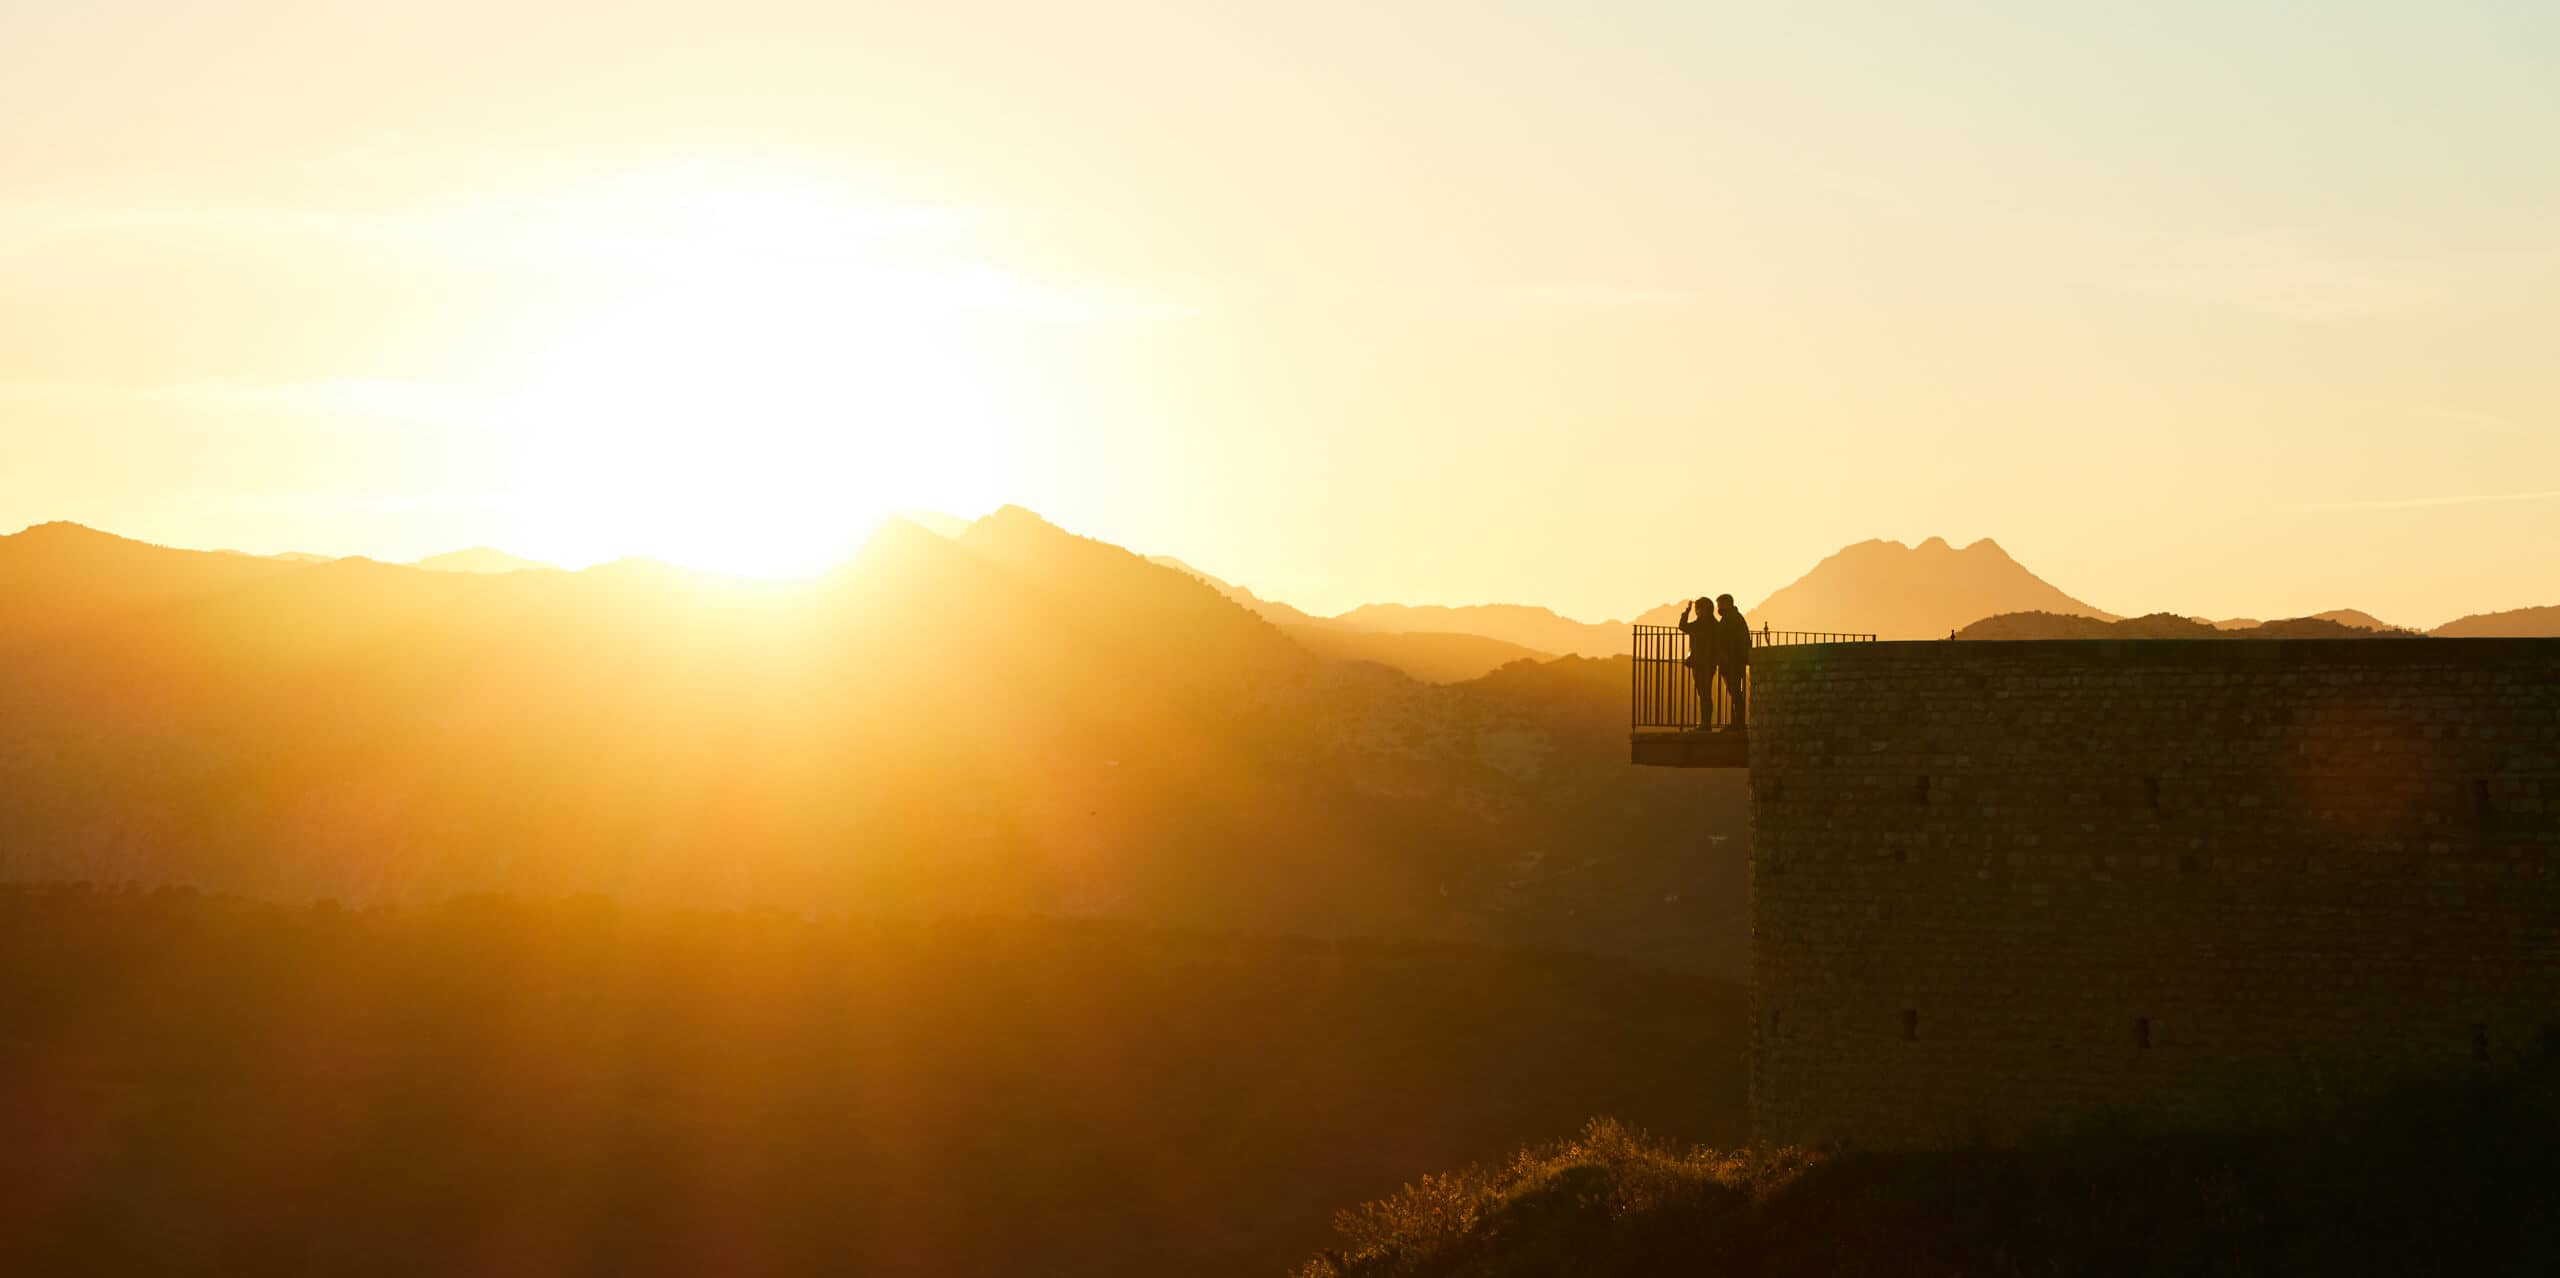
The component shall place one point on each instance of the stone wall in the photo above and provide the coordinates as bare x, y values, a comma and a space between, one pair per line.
2002, 887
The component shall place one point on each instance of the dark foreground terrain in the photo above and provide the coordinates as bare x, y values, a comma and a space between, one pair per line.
2461, 1179
204, 1085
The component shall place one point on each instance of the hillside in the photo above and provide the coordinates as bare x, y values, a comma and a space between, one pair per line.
1017, 719
2352, 618
61, 577
2521, 623
1655, 860
1536, 629
1912, 592
1270, 610
1376, 633
1432, 658
2163, 625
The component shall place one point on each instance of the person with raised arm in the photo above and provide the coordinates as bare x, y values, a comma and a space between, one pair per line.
1702, 655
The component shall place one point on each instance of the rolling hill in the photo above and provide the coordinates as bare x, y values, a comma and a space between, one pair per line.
2164, 625
1536, 629
2352, 618
1374, 633
60, 576
2520, 623
1428, 656
1017, 719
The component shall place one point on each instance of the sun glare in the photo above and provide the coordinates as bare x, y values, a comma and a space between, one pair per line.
762, 381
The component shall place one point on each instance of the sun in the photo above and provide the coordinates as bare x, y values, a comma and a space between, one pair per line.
759, 381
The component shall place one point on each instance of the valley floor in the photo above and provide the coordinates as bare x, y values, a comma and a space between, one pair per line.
194, 1084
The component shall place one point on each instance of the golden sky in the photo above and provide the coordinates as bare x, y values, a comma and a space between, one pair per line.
2233, 308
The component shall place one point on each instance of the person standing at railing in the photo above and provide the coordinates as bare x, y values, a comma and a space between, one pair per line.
1733, 655
1702, 655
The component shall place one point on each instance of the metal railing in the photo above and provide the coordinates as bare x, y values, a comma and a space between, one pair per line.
1667, 693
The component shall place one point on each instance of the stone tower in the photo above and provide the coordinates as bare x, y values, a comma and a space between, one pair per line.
2005, 886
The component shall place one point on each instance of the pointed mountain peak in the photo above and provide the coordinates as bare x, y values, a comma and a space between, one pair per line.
1912, 592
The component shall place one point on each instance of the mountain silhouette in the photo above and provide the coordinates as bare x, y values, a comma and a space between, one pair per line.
1433, 656
1015, 720
2520, 623
1907, 592
2354, 619
1271, 610
2166, 625
61, 575
1425, 655
483, 559
1533, 628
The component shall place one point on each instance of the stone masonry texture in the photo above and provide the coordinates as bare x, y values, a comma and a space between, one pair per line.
2003, 888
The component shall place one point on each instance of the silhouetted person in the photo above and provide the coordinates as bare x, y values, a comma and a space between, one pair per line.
1702, 654
1733, 654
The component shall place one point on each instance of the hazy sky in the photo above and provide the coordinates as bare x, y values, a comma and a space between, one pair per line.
2232, 308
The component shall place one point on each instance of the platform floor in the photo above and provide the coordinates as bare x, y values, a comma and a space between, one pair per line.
1730, 748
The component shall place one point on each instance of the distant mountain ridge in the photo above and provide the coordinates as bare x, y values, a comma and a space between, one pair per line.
2353, 618
1535, 628
1431, 656
483, 559
2519, 623
1433, 644
62, 574
1271, 610
2167, 625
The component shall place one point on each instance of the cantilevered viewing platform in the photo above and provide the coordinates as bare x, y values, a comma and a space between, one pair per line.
1672, 727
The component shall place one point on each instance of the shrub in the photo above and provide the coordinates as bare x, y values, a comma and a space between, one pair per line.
2449, 1177
1610, 1200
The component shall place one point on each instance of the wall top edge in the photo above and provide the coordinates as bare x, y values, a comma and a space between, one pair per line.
2541, 655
